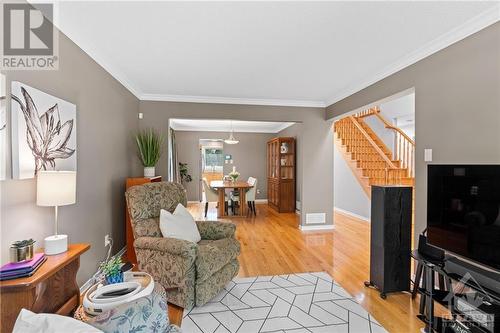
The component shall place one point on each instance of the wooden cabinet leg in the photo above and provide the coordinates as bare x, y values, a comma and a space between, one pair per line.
222, 202
243, 199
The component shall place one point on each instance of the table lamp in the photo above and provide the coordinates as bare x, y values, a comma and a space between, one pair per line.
54, 189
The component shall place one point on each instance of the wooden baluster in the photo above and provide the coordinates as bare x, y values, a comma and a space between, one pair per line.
404, 153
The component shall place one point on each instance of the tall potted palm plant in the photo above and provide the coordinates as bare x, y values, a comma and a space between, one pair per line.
149, 146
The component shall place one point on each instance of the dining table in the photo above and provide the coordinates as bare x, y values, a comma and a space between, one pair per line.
221, 186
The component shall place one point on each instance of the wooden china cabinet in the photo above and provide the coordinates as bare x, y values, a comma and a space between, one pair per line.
281, 174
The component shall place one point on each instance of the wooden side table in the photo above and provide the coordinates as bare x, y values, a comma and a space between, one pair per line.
52, 289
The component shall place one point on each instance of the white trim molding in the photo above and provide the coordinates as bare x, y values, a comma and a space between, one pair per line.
231, 100
475, 24
351, 214
316, 227
261, 201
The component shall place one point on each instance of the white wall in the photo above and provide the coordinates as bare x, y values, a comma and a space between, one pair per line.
386, 135
347, 191
401, 112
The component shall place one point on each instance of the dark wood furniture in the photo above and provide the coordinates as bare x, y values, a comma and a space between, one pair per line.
129, 235
390, 243
463, 288
281, 174
52, 289
221, 186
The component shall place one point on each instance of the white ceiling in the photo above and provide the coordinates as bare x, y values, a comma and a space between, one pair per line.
273, 53
239, 126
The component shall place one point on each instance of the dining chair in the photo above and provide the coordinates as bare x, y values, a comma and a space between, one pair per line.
212, 195
250, 196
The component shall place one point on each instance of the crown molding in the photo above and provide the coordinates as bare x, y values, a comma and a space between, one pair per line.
468, 28
231, 100
471, 26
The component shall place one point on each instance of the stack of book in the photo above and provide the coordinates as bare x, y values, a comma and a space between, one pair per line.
22, 269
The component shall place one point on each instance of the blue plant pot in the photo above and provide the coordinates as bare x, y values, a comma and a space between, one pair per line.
116, 278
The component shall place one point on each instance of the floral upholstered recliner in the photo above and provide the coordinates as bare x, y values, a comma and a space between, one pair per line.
191, 273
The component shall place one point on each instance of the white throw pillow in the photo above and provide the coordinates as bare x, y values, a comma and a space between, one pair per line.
180, 225
29, 322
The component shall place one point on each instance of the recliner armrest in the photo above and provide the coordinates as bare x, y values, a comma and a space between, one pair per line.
214, 230
173, 246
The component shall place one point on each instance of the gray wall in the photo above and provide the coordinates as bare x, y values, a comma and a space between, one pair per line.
315, 135
249, 157
106, 120
347, 191
457, 105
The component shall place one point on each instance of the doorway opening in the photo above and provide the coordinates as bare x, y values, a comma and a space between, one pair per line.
373, 146
211, 163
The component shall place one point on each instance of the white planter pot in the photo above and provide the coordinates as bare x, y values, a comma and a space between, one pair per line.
149, 172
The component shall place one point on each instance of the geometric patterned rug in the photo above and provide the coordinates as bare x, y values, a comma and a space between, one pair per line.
295, 303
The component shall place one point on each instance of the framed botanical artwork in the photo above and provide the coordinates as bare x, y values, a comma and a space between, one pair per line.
43, 132
3, 128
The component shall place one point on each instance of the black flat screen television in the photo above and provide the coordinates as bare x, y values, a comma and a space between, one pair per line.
463, 211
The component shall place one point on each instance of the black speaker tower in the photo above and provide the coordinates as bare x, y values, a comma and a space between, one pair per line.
391, 212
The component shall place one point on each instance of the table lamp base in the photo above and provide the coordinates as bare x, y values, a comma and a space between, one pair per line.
56, 244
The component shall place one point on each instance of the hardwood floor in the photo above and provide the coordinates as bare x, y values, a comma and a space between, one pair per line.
272, 244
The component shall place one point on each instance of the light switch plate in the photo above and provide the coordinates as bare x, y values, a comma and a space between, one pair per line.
428, 155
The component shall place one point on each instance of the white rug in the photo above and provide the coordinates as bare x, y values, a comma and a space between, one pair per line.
295, 303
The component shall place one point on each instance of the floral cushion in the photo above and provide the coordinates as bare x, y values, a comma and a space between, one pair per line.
173, 262
213, 255
147, 314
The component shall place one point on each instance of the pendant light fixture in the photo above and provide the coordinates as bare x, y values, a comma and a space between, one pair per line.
231, 140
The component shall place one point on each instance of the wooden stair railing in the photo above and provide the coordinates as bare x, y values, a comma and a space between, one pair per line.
363, 148
405, 146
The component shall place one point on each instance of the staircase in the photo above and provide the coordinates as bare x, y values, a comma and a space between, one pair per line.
371, 161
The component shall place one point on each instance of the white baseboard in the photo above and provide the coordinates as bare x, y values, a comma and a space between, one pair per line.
297, 207
316, 227
90, 281
193, 202
348, 213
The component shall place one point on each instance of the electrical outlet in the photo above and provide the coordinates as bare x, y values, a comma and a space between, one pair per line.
107, 240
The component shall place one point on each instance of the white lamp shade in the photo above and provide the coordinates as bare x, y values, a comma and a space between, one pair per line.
56, 188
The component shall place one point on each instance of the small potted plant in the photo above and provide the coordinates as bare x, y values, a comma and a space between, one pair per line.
112, 270
149, 144
234, 175
184, 173
22, 250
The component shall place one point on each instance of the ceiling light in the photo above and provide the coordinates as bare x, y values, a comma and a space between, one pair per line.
231, 140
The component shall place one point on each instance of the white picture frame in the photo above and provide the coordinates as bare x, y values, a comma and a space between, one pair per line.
43, 132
